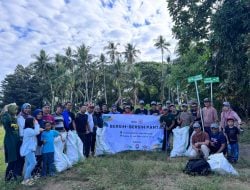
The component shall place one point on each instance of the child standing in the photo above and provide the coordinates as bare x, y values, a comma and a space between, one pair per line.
48, 149
232, 135
28, 148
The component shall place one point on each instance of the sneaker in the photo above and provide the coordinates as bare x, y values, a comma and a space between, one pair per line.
27, 182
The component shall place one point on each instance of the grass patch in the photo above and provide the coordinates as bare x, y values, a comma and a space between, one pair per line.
137, 170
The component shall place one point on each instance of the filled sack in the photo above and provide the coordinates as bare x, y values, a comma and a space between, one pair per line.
61, 160
220, 164
190, 148
197, 167
180, 141
101, 147
74, 148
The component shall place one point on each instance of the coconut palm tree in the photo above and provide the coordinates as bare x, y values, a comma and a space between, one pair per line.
162, 44
44, 68
103, 62
43, 64
83, 58
114, 56
70, 64
112, 51
130, 54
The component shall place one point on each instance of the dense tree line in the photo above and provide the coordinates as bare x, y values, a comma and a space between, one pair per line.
214, 39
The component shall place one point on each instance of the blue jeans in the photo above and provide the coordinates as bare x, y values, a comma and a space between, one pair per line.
48, 164
30, 160
233, 151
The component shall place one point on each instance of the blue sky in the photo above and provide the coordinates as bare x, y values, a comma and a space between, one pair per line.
26, 26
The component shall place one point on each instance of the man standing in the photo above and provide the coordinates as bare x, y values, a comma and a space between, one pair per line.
167, 121
153, 110
46, 114
185, 118
114, 110
209, 114
69, 117
200, 142
92, 128
141, 110
83, 129
59, 120
105, 109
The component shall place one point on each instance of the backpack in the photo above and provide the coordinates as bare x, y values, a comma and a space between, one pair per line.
197, 167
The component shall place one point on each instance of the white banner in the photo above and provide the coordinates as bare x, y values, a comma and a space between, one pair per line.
129, 132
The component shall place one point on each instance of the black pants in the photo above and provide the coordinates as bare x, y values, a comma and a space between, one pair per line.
166, 135
38, 169
48, 164
92, 141
11, 171
86, 140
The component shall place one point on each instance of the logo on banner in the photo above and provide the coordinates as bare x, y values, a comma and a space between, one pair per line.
137, 146
140, 121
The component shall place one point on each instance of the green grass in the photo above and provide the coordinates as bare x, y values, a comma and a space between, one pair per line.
138, 170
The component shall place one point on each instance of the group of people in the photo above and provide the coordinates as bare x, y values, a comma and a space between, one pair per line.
217, 137
29, 136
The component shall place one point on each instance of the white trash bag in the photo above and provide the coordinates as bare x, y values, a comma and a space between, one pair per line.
61, 160
220, 164
180, 141
74, 149
100, 146
190, 148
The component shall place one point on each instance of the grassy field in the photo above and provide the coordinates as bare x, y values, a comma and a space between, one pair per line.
140, 170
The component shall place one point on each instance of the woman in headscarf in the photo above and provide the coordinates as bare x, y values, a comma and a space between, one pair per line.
22, 116
228, 112
11, 141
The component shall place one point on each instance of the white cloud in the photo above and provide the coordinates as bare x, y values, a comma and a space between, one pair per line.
28, 26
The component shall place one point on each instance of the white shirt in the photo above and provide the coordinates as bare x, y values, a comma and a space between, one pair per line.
29, 140
90, 121
20, 123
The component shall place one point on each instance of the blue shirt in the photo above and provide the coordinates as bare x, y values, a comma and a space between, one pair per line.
218, 139
48, 137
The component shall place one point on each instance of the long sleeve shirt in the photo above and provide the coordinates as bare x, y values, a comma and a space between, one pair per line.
229, 114
20, 123
29, 140
209, 116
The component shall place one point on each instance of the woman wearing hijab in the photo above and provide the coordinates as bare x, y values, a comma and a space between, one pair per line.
11, 142
22, 116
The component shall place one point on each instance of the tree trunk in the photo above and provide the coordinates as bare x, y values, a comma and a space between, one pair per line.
86, 88
92, 91
162, 77
104, 84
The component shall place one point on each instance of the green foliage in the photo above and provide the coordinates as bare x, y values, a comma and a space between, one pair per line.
223, 28
22, 86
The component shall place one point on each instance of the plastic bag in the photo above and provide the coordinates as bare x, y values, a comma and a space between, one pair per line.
61, 160
190, 148
74, 149
220, 164
180, 141
101, 147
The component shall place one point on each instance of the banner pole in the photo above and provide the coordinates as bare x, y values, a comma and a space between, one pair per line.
198, 98
211, 84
